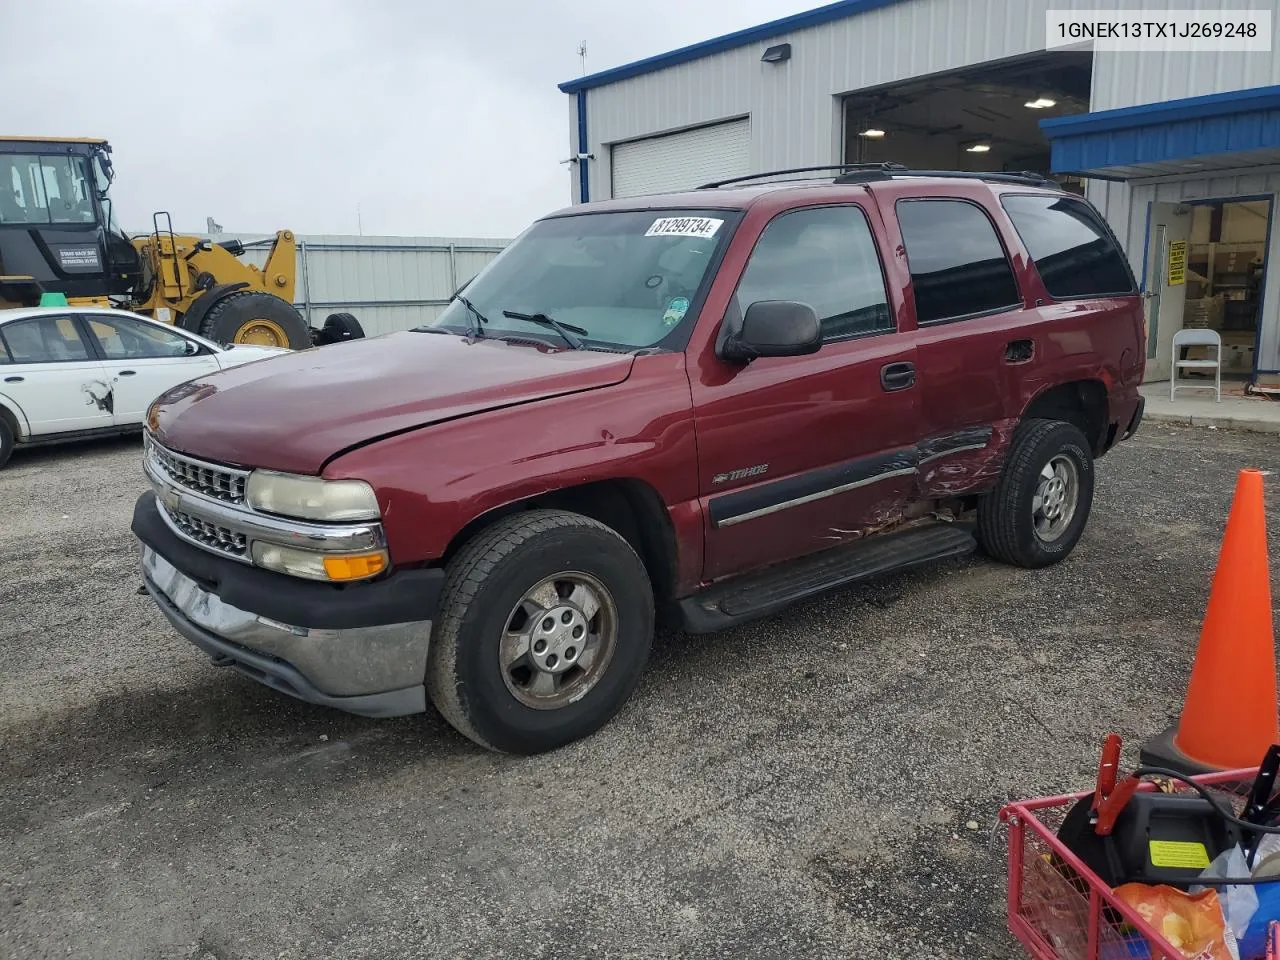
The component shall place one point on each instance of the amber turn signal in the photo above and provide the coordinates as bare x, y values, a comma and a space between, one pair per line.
355, 567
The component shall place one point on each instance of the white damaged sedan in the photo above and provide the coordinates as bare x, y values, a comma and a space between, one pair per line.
68, 373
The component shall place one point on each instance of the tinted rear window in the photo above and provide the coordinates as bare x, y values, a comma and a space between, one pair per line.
1072, 250
958, 266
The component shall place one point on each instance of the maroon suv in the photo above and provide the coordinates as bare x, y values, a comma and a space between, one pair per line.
701, 406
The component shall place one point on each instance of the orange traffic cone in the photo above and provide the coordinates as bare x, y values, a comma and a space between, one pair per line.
1230, 716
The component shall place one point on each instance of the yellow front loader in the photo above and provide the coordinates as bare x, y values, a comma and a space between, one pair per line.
58, 235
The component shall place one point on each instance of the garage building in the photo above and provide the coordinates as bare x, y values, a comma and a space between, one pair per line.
1180, 150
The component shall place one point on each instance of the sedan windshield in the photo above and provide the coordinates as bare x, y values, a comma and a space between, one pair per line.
625, 280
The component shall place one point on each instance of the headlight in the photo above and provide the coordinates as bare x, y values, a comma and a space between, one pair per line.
319, 566
310, 498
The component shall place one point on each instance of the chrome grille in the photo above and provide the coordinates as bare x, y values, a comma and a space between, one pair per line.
218, 538
221, 483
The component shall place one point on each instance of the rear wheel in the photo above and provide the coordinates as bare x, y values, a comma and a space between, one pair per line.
6, 439
1041, 504
249, 316
545, 626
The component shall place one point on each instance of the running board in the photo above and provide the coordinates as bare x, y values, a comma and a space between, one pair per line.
758, 595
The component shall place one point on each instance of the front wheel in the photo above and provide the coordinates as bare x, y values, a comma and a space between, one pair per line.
1040, 506
545, 626
258, 318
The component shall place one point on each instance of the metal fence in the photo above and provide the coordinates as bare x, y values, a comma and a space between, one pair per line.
388, 283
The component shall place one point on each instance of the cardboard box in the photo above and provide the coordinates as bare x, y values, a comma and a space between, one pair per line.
1203, 313
1237, 358
1235, 261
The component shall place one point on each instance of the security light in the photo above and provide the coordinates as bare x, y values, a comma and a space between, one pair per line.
777, 53
978, 148
872, 133
1041, 103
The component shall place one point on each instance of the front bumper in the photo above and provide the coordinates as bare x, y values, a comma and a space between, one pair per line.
361, 647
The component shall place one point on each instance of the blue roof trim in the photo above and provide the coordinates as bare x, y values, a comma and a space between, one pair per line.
584, 173
1222, 123
1150, 114
730, 41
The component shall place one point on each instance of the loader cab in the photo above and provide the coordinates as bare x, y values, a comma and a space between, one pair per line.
57, 229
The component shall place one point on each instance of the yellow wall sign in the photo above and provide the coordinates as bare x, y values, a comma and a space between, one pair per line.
1177, 262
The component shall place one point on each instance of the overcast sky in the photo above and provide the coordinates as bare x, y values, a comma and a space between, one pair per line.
435, 117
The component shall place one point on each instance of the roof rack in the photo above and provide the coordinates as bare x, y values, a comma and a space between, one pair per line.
1023, 177
867, 172
779, 173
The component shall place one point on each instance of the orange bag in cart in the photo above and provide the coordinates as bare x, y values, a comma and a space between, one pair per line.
1191, 922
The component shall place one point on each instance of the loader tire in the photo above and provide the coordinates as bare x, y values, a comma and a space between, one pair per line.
342, 326
250, 316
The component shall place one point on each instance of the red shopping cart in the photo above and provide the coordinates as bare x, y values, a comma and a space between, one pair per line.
1060, 909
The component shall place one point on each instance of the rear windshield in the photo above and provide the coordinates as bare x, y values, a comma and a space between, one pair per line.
628, 279
1071, 248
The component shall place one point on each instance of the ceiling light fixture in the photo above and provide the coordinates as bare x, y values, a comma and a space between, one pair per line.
1041, 103
978, 148
872, 133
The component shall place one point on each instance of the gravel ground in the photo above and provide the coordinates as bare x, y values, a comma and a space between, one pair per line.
802, 787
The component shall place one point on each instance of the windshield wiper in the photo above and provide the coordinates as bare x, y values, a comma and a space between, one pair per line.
566, 330
474, 317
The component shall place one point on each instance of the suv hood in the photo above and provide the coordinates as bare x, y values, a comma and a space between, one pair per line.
295, 412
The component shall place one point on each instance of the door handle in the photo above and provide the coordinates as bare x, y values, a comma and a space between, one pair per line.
127, 373
898, 376
14, 379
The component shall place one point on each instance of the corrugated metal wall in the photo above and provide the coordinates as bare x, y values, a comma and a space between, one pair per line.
795, 107
389, 283
1122, 79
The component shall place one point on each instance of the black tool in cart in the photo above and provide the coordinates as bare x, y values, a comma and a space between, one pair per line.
1261, 808
1125, 835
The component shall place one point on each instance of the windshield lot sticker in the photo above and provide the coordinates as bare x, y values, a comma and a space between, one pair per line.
684, 227
676, 310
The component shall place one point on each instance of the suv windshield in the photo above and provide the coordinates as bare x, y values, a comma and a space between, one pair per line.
626, 279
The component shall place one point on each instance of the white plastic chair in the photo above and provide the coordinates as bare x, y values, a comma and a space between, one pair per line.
1197, 338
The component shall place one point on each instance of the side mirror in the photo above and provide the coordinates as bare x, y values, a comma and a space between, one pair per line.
774, 328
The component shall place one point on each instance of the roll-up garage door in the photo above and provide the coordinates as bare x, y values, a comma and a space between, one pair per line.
679, 161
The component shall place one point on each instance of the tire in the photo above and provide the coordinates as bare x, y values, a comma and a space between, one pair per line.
250, 316
342, 326
1007, 517
487, 582
6, 438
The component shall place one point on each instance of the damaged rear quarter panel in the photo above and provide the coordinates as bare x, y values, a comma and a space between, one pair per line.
969, 471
